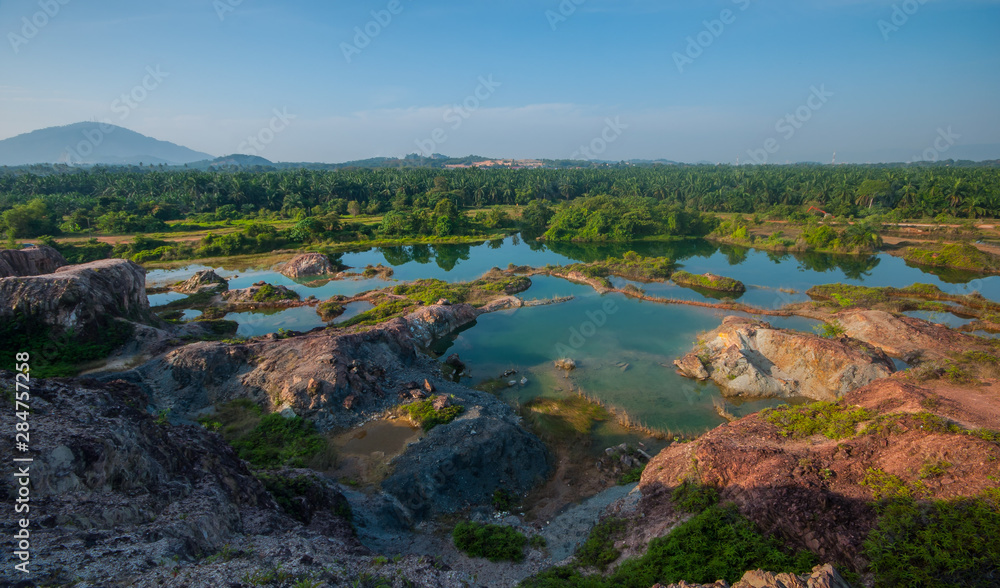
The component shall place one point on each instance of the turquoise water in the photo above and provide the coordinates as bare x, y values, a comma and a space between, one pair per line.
602, 333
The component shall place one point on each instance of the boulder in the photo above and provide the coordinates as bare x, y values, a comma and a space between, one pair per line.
307, 265
824, 576
82, 298
201, 281
261, 293
430, 323
455, 361
565, 364
750, 359
902, 336
30, 261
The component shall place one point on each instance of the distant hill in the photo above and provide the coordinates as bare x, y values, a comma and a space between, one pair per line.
89, 143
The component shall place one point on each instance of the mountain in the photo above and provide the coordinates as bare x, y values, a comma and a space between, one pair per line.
93, 143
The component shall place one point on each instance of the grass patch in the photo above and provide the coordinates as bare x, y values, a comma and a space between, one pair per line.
563, 419
492, 285
693, 497
632, 476
964, 256
935, 544
59, 353
827, 418
424, 414
709, 282
717, 544
269, 441
492, 542
330, 310
630, 266
599, 551
269, 293
379, 314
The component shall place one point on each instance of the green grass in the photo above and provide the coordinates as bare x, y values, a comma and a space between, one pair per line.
59, 353
631, 266
492, 542
271, 440
599, 551
936, 544
717, 544
631, 476
718, 283
478, 292
269, 293
424, 414
379, 314
330, 309
827, 418
964, 256
693, 497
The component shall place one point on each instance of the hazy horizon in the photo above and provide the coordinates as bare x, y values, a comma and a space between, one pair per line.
873, 81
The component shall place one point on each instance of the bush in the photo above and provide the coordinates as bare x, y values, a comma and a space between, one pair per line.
693, 497
278, 441
493, 542
598, 551
424, 414
826, 418
936, 544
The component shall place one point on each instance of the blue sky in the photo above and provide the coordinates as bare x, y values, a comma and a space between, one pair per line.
591, 78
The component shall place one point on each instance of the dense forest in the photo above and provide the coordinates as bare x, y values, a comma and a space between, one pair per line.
618, 203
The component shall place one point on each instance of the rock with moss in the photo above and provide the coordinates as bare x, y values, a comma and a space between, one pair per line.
709, 282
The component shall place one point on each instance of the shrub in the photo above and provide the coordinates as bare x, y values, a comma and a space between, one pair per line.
277, 441
692, 497
493, 542
598, 551
938, 544
826, 418
424, 414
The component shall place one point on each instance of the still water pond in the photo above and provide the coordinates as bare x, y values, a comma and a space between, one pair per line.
626, 359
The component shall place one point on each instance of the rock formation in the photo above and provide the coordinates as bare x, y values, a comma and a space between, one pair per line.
32, 261
821, 577
902, 336
78, 297
307, 265
204, 280
810, 491
120, 499
750, 359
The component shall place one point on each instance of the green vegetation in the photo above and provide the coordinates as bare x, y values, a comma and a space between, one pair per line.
562, 420
690, 496
827, 418
504, 500
956, 255
830, 330
631, 266
626, 218
379, 314
60, 353
631, 476
424, 414
478, 292
936, 544
717, 544
288, 490
269, 441
330, 310
709, 282
269, 293
599, 551
493, 542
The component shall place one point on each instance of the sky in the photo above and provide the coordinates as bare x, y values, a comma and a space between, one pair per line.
713, 80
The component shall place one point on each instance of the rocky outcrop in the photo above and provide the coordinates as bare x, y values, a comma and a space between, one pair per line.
434, 322
203, 281
32, 261
821, 577
708, 282
119, 498
809, 491
750, 359
307, 265
903, 336
78, 297
462, 464
261, 293
314, 374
